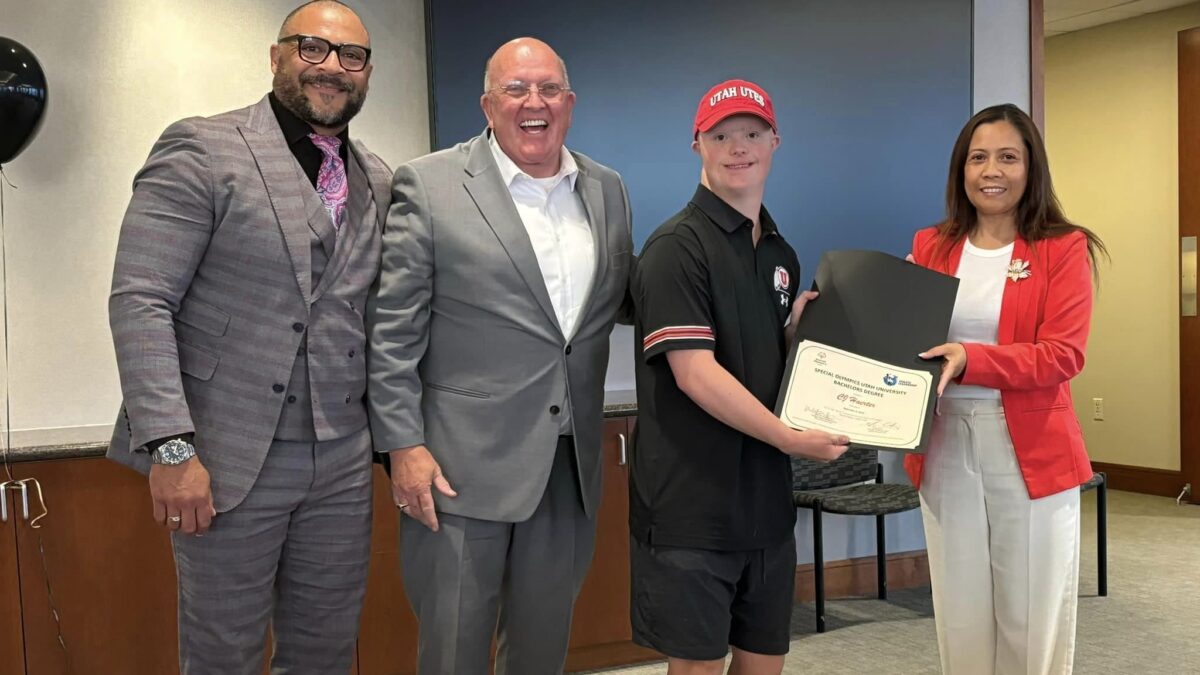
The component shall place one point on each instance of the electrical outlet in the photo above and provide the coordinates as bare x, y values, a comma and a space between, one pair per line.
1098, 409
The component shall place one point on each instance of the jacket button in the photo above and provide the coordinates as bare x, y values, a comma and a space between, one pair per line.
347, 398
553, 410
350, 353
568, 349
298, 327
277, 388
291, 399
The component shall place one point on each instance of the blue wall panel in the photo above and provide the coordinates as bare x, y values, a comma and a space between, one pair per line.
869, 95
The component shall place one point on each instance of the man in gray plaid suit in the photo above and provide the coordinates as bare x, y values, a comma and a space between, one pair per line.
241, 274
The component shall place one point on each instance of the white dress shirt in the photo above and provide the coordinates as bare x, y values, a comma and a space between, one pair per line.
559, 231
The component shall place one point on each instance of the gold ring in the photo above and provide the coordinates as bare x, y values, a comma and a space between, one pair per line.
402, 506
175, 519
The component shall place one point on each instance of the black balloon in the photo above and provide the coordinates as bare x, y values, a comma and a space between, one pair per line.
22, 98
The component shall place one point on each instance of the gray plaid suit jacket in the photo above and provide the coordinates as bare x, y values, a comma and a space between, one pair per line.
466, 354
212, 275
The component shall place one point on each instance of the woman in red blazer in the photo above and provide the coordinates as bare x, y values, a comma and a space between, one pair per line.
1000, 482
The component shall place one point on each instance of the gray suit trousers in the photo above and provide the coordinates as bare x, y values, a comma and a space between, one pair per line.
293, 554
473, 578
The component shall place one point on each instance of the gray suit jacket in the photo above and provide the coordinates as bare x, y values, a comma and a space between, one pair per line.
212, 277
466, 355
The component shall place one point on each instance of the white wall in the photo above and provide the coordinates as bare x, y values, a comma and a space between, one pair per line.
120, 71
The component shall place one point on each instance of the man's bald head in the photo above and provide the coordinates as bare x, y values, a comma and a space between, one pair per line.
287, 28
522, 48
528, 103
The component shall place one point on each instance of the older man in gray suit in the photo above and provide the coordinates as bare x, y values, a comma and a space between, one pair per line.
506, 259
241, 275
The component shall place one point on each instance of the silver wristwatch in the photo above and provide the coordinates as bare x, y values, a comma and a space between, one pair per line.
173, 453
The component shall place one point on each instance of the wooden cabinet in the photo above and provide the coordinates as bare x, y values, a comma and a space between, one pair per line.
12, 639
113, 578
109, 567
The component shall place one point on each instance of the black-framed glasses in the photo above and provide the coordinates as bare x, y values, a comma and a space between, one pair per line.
517, 90
313, 49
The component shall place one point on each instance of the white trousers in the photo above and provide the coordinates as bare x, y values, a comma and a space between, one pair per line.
1004, 568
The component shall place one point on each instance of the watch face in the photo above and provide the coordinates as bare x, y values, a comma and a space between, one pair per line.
175, 452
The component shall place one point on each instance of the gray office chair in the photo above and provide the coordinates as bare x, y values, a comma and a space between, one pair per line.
843, 486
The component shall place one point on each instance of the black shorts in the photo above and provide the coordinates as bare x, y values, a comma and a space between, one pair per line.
693, 603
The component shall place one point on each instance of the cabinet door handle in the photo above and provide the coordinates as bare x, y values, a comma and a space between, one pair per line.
22, 486
624, 444
15, 486
24, 500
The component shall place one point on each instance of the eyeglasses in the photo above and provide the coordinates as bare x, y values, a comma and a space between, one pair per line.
315, 50
518, 91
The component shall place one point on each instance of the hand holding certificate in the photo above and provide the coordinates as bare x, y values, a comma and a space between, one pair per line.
854, 367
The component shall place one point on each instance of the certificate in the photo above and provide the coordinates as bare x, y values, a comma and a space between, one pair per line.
872, 402
853, 368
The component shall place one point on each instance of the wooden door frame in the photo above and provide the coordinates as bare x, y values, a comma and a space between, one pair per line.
1037, 70
1188, 72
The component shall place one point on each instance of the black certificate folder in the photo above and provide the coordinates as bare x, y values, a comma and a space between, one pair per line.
883, 309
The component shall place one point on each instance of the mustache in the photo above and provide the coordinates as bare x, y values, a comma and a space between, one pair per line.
327, 81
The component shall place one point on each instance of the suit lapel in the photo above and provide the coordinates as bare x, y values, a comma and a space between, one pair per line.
380, 182
356, 208
277, 166
495, 203
318, 216
1014, 291
953, 257
592, 194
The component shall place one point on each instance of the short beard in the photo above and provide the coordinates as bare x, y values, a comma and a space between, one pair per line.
288, 89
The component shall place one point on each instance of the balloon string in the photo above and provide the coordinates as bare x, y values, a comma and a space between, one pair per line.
6, 435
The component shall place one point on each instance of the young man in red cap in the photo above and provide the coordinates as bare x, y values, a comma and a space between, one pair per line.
711, 515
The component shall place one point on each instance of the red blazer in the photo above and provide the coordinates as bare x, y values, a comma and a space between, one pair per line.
1044, 321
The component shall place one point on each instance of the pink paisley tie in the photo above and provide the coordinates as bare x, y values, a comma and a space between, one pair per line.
331, 179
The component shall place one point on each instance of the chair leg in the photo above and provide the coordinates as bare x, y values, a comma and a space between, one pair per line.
880, 546
1102, 537
818, 569
880, 558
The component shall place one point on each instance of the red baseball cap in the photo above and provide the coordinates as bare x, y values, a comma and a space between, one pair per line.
733, 97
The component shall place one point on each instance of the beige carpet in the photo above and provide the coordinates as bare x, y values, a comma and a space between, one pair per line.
1148, 624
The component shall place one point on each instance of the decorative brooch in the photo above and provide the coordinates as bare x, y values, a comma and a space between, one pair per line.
1018, 269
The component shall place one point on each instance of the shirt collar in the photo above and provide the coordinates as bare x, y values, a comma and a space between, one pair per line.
727, 217
295, 129
509, 171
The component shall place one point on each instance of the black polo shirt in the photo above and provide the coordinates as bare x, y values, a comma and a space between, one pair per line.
700, 283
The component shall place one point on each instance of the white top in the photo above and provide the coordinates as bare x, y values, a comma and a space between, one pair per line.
559, 231
976, 318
